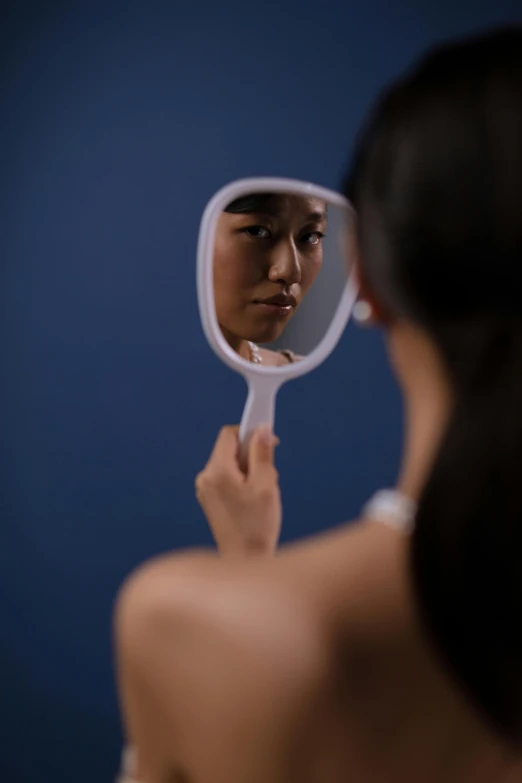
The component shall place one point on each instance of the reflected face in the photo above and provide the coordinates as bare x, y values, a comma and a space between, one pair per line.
268, 252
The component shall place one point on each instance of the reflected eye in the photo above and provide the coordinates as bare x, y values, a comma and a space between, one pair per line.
313, 238
257, 232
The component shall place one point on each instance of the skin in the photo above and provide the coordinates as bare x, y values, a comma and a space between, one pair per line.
310, 665
258, 256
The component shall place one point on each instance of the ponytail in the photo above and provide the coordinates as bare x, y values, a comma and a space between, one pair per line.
436, 181
466, 556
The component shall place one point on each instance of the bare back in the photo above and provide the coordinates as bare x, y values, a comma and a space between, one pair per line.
309, 667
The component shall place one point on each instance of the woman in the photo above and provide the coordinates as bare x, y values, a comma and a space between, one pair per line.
388, 650
268, 253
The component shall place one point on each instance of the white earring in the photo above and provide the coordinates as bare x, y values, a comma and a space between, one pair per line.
362, 312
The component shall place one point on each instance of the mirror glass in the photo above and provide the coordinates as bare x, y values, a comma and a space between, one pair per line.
280, 268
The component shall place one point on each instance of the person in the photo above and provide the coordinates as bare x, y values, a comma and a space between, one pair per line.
268, 253
389, 650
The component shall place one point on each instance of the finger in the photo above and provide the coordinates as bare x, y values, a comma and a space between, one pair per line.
261, 455
199, 484
224, 456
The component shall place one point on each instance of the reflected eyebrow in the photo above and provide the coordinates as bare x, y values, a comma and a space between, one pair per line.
251, 213
315, 217
312, 217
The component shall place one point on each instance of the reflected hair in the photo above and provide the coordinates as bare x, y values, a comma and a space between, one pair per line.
436, 180
257, 202
252, 202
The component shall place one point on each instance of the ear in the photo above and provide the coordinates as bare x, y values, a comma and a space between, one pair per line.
379, 315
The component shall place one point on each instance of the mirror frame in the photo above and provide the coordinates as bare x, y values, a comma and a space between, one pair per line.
263, 381
205, 281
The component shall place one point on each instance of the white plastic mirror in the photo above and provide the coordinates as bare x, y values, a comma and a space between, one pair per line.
275, 284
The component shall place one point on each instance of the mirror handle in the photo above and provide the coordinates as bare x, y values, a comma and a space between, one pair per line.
259, 410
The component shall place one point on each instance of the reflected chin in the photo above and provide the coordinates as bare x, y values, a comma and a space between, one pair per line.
263, 333
267, 335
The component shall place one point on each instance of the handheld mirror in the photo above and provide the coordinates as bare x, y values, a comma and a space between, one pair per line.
275, 284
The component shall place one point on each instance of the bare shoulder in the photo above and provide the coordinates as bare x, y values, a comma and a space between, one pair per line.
271, 604
232, 654
248, 609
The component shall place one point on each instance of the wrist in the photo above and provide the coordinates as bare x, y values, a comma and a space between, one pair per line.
244, 550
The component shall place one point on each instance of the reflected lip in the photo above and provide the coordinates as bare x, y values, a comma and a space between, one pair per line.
281, 300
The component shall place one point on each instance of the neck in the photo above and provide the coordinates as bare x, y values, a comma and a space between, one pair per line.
427, 397
426, 416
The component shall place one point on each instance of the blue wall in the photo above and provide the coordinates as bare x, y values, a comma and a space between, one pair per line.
119, 120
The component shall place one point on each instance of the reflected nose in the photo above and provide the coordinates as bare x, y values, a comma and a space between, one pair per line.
285, 267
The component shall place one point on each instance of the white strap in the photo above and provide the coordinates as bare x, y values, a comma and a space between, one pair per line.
128, 766
392, 508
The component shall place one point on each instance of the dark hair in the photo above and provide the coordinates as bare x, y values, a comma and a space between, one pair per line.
437, 184
253, 202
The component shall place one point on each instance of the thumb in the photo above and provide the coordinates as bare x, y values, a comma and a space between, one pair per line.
261, 452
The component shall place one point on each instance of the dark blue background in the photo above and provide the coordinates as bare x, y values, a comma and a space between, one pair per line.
118, 122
